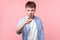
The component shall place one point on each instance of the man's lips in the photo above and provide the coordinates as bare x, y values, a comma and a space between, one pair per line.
30, 14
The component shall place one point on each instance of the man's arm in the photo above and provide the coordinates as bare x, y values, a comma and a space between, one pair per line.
20, 28
42, 33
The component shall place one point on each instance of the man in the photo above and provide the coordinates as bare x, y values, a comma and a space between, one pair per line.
30, 26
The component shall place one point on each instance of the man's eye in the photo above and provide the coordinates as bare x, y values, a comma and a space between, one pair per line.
27, 10
32, 10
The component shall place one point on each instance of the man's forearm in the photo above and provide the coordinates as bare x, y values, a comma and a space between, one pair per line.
20, 28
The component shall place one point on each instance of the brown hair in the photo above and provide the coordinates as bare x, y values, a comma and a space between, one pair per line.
30, 4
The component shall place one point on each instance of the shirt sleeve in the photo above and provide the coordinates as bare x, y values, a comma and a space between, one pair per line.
41, 31
20, 23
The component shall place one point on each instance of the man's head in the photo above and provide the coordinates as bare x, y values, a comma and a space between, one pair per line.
30, 7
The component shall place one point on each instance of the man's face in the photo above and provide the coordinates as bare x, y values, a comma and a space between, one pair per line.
30, 11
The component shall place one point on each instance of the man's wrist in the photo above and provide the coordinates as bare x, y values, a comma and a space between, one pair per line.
25, 23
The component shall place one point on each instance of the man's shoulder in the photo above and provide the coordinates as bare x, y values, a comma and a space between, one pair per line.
36, 17
22, 19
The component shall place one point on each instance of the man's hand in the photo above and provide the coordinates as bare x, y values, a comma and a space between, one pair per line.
28, 20
19, 29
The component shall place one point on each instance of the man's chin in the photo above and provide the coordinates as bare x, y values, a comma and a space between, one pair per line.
29, 17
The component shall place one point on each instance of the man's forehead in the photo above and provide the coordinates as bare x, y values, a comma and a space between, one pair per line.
28, 8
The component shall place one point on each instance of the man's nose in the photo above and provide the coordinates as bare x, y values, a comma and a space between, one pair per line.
30, 11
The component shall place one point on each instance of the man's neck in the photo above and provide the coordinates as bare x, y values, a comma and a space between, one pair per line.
32, 17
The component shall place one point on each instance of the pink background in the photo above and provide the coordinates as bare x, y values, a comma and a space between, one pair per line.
13, 10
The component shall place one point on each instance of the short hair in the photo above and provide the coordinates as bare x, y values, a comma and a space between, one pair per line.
30, 4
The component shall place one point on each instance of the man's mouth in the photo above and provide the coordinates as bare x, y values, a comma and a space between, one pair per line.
30, 14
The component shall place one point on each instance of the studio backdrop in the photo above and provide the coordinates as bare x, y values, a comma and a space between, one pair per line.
11, 11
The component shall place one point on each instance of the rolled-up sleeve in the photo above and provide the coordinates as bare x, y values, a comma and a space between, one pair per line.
19, 23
